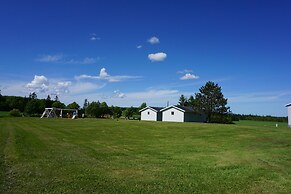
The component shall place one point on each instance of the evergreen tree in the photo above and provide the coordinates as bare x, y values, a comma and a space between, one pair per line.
32, 95
183, 101
211, 101
192, 102
86, 104
143, 105
48, 98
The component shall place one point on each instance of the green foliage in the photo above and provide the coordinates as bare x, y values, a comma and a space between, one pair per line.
183, 101
238, 117
32, 96
73, 105
58, 104
116, 111
86, 104
93, 110
97, 109
211, 101
4, 114
15, 113
192, 102
32, 107
143, 105
128, 113
104, 109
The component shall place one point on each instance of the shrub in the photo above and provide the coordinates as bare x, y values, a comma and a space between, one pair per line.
15, 113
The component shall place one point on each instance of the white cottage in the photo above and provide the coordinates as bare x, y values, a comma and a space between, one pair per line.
178, 113
289, 114
151, 114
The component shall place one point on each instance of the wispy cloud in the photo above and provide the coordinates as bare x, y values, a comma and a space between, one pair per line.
153, 40
118, 94
94, 37
184, 71
115, 94
258, 97
81, 87
161, 56
103, 75
152, 94
50, 58
139, 46
61, 59
84, 61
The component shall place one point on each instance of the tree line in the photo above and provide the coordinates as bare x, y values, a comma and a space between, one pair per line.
32, 106
209, 101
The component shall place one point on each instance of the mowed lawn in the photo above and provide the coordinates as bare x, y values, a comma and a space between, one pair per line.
110, 156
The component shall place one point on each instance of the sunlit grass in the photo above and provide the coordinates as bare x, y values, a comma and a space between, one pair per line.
110, 156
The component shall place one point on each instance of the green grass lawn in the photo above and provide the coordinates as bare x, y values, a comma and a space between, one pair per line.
4, 114
109, 156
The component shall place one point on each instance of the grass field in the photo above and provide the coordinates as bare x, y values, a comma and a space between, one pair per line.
109, 156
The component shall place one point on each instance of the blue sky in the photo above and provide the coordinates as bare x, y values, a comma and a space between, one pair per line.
129, 52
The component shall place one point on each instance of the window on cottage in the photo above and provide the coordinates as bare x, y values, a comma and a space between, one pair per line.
172, 113
148, 113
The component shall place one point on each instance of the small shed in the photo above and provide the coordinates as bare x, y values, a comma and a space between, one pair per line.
151, 114
289, 114
176, 113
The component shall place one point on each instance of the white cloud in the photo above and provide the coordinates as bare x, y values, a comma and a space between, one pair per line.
189, 76
38, 84
62, 87
103, 75
119, 94
157, 56
154, 40
139, 46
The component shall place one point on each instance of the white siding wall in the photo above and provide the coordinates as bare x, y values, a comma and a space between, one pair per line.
177, 117
289, 116
148, 115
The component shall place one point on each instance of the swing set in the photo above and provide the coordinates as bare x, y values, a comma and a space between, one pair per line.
59, 113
